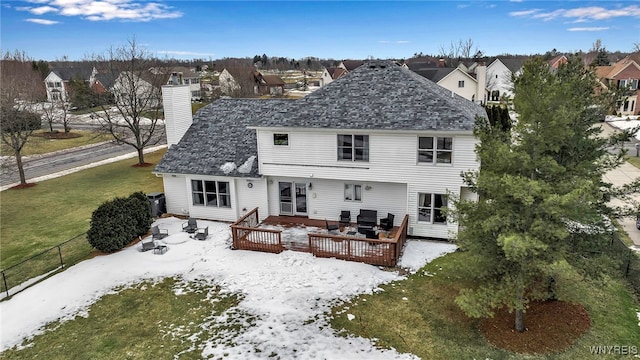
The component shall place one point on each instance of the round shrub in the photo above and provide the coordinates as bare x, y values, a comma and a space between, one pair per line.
115, 223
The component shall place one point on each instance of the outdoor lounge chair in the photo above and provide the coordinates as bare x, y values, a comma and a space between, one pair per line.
190, 226
148, 244
331, 227
158, 234
367, 218
345, 217
387, 223
201, 234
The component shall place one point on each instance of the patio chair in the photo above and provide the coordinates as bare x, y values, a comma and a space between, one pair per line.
158, 234
148, 244
201, 234
387, 223
345, 217
331, 227
190, 226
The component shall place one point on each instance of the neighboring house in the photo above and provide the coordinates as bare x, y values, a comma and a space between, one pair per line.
334, 73
350, 65
331, 74
557, 61
267, 84
380, 138
500, 73
238, 80
625, 74
469, 85
189, 77
57, 82
146, 94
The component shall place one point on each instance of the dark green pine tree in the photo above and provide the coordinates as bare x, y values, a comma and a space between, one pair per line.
534, 186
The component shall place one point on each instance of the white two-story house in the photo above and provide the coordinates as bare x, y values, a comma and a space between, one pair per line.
380, 138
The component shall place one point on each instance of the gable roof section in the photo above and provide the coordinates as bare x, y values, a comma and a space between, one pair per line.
381, 95
220, 135
623, 64
377, 96
513, 64
434, 74
351, 65
67, 73
273, 80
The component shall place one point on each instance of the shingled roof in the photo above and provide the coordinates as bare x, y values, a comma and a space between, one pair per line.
378, 96
219, 137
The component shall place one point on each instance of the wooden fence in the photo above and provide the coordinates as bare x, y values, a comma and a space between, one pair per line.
371, 251
247, 235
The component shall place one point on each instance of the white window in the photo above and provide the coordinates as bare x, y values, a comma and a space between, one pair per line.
211, 193
433, 149
353, 147
631, 84
281, 139
461, 83
195, 81
430, 208
352, 192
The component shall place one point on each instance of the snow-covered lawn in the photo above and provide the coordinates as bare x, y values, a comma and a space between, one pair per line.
286, 292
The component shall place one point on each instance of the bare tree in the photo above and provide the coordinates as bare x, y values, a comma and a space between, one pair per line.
463, 49
636, 47
55, 112
21, 87
134, 115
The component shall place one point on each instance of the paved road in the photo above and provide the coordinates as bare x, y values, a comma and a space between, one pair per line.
37, 166
623, 175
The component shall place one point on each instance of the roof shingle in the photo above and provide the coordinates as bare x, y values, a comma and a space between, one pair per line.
377, 96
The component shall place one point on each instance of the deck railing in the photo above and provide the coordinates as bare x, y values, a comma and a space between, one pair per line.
384, 252
247, 236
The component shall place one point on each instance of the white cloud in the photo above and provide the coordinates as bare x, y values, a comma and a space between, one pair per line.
588, 28
43, 21
524, 12
104, 10
582, 14
42, 10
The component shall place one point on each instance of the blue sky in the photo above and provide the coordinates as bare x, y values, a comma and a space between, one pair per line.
78, 29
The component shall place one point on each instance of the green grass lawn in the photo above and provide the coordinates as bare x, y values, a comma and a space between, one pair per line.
418, 316
635, 161
39, 145
37, 218
146, 321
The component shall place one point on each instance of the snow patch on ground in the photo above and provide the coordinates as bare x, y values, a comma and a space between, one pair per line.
624, 123
288, 293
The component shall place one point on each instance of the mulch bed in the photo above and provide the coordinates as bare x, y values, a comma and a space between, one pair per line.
142, 165
550, 327
23, 186
58, 135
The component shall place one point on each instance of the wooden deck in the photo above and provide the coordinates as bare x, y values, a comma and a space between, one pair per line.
249, 234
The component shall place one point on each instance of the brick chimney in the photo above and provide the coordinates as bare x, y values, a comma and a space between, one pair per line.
176, 100
442, 63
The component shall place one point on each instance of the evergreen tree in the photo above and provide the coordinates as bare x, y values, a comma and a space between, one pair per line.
533, 189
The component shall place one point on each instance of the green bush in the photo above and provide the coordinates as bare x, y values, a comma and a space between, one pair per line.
140, 212
115, 223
